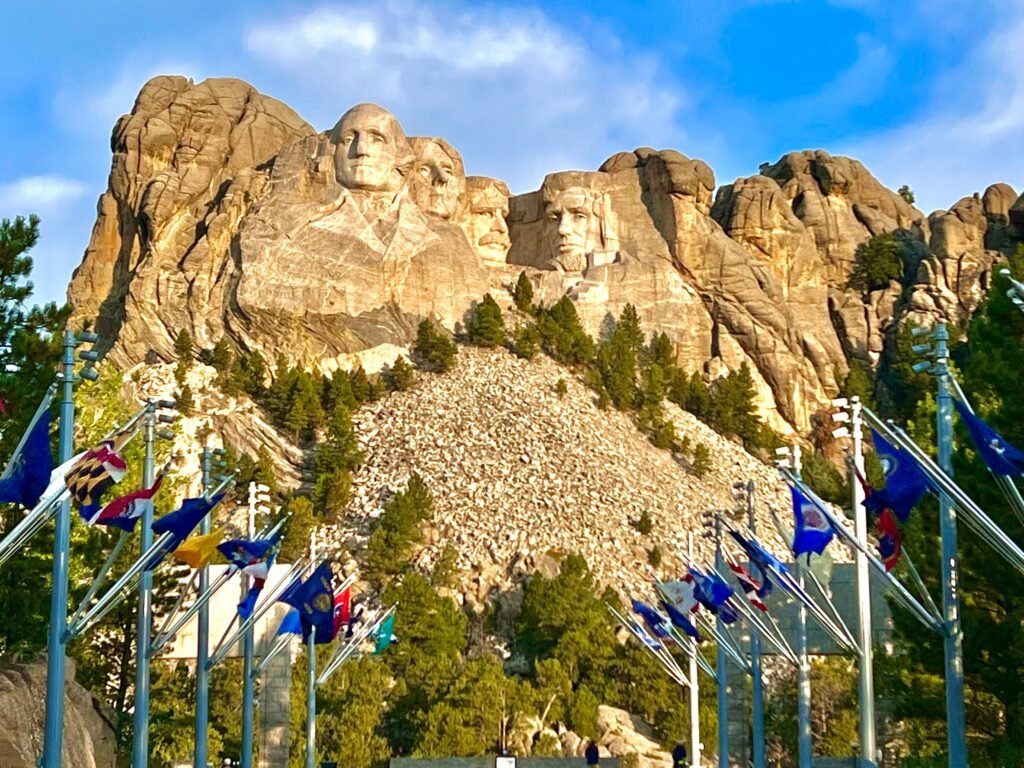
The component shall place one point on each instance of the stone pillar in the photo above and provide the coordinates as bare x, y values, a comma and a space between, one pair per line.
738, 687
275, 712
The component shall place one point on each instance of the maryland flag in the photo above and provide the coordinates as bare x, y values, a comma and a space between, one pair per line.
196, 551
100, 468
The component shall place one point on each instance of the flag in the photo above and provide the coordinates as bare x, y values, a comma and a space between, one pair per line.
905, 481
657, 623
30, 474
255, 558
125, 511
342, 609
813, 530
712, 592
750, 587
644, 637
385, 634
765, 561
314, 599
196, 551
680, 621
180, 523
890, 543
97, 470
290, 624
680, 594
1001, 457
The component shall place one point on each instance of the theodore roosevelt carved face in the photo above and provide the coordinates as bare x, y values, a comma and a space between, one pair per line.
484, 221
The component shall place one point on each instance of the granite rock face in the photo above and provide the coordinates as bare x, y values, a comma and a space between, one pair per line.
228, 215
89, 740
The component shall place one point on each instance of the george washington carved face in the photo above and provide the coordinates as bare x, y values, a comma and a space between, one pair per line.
371, 152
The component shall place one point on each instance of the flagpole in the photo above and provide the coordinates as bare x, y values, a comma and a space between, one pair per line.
140, 735
757, 704
868, 748
311, 679
53, 727
694, 684
248, 643
953, 640
721, 665
200, 759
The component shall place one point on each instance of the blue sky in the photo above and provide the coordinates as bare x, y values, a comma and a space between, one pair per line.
925, 92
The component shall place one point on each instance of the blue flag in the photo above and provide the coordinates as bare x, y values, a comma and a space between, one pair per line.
1001, 457
905, 482
180, 523
762, 558
30, 474
290, 624
712, 592
314, 600
679, 619
813, 530
654, 620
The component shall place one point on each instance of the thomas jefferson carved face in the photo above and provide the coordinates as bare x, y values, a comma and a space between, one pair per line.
484, 221
438, 180
572, 227
372, 152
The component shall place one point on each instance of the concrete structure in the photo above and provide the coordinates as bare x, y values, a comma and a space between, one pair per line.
273, 687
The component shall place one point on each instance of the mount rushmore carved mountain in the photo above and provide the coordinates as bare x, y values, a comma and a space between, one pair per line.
229, 216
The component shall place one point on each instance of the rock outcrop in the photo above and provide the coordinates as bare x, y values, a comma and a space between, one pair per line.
229, 216
89, 740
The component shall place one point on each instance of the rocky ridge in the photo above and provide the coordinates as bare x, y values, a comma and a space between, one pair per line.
214, 186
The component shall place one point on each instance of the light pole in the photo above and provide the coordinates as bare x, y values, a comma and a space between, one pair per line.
805, 743
953, 639
695, 745
53, 727
721, 665
140, 733
259, 497
851, 425
745, 492
212, 459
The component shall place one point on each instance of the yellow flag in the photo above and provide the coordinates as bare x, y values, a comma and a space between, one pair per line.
196, 551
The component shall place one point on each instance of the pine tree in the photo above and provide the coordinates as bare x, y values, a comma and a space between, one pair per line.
185, 401
906, 194
878, 262
433, 347
359, 385
522, 293
183, 346
486, 328
526, 341
401, 375
701, 460
562, 334
221, 356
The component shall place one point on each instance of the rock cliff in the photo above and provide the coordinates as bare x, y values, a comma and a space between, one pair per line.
227, 215
89, 740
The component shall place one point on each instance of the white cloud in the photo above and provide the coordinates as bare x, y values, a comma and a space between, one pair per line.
968, 135
92, 109
517, 94
36, 194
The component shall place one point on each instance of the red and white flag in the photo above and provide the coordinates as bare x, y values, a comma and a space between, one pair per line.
750, 586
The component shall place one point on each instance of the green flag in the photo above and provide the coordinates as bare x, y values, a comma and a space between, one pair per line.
385, 634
